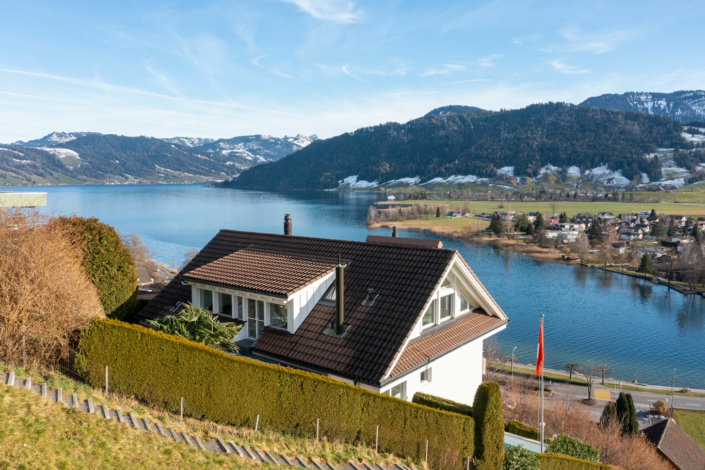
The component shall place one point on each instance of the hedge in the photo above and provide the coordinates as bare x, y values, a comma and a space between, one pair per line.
521, 429
566, 445
489, 427
548, 461
439, 403
235, 390
107, 262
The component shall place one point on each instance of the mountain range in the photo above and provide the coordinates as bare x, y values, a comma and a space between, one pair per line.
90, 157
682, 106
452, 109
576, 144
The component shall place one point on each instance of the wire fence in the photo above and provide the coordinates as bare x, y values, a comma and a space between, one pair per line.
383, 439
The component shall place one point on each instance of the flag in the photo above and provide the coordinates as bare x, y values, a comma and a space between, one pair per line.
539, 352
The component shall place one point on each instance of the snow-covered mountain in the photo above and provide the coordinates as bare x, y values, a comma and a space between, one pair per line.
52, 139
259, 148
189, 141
683, 106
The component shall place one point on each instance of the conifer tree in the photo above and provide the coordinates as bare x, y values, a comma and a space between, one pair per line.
595, 232
646, 265
672, 227
696, 234
539, 224
657, 230
563, 218
633, 423
653, 214
497, 225
530, 230
438, 211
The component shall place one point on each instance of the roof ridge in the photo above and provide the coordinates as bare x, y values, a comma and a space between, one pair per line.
281, 235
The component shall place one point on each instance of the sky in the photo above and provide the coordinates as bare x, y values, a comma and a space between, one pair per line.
325, 67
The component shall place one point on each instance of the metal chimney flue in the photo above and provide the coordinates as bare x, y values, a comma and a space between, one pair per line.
287, 224
394, 231
339, 298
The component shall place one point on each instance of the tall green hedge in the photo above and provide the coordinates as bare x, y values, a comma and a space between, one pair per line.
521, 429
439, 403
566, 445
489, 427
549, 461
161, 368
107, 262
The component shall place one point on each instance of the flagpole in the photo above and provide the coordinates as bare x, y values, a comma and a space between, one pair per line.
542, 423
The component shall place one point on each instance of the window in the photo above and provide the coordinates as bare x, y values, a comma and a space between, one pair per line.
240, 308
426, 375
446, 306
207, 299
226, 304
255, 318
428, 317
278, 316
464, 304
399, 391
330, 295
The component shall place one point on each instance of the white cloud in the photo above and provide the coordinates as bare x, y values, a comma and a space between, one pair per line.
445, 70
562, 67
337, 11
161, 78
256, 63
488, 61
595, 43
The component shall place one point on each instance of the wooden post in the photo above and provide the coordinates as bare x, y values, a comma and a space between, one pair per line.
257, 424
468, 466
24, 349
106, 381
377, 440
426, 459
317, 428
182, 408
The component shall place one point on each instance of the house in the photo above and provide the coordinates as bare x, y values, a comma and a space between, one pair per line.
631, 233
570, 227
673, 444
605, 215
143, 277
392, 315
680, 220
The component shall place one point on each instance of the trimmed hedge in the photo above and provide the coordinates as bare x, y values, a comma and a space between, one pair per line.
234, 390
521, 429
107, 262
548, 461
439, 403
489, 427
566, 445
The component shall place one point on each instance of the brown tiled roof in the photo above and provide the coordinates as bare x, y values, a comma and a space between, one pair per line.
404, 277
404, 241
444, 338
264, 271
674, 444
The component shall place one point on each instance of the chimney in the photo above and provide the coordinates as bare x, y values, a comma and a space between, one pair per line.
394, 231
339, 298
287, 224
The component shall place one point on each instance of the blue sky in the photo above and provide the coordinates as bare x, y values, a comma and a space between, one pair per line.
221, 69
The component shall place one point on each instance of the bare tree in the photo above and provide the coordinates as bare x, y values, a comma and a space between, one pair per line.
492, 351
572, 367
590, 370
604, 369
190, 254
554, 207
141, 254
637, 376
582, 245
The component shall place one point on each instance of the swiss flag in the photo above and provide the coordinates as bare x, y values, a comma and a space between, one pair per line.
539, 353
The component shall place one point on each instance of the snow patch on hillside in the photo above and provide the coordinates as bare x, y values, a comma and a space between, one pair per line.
403, 181
573, 171
548, 169
607, 177
506, 170
60, 153
14, 152
456, 179
351, 182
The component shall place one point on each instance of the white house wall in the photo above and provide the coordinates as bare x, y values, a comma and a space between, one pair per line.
304, 300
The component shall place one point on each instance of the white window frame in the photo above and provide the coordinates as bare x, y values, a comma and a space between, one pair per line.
428, 372
403, 390
441, 296
434, 317
269, 312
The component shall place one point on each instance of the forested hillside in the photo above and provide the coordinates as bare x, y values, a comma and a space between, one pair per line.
477, 144
452, 109
682, 106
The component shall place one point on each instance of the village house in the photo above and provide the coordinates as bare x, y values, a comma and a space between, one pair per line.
677, 447
392, 315
605, 215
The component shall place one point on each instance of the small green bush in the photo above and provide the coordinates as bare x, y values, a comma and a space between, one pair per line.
550, 461
521, 429
439, 403
160, 369
566, 445
519, 458
489, 427
107, 262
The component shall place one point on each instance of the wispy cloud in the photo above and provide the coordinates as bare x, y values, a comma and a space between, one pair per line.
444, 70
595, 43
347, 72
488, 61
336, 11
488, 14
476, 80
278, 72
562, 67
161, 78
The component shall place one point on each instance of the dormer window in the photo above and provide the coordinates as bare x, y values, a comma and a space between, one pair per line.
446, 306
278, 316
429, 317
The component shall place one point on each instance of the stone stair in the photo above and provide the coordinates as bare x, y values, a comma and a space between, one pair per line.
216, 445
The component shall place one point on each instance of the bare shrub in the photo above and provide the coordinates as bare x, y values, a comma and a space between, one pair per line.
44, 292
141, 254
521, 402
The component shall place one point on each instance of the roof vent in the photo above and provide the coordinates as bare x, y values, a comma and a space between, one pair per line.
370, 297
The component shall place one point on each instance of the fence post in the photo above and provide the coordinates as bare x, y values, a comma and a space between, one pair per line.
377, 440
257, 424
182, 408
317, 422
106, 381
426, 459
468, 467
24, 348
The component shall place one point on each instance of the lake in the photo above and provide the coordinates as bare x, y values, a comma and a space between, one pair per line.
590, 314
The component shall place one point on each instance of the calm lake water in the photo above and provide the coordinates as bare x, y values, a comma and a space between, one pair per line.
590, 314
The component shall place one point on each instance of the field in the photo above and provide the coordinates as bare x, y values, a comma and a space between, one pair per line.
36, 433
693, 423
441, 226
571, 208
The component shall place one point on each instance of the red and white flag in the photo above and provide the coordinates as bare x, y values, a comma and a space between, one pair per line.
539, 353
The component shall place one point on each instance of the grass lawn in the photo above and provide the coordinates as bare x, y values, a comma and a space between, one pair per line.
37, 433
333, 451
571, 208
693, 423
